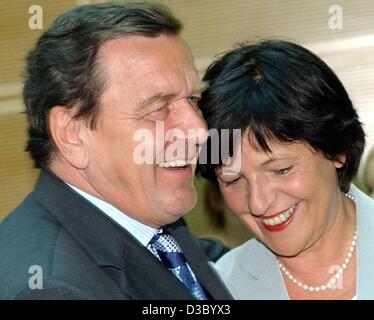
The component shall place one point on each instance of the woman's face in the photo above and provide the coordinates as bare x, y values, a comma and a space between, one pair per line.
286, 197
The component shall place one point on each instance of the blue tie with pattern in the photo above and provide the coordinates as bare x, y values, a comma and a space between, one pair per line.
167, 250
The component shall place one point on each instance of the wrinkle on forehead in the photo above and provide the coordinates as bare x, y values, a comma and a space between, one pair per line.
164, 58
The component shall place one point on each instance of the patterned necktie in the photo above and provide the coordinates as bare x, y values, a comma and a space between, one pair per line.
167, 250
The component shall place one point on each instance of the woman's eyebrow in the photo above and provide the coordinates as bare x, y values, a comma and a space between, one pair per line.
275, 159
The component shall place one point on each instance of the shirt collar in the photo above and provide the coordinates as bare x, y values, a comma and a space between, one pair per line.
140, 231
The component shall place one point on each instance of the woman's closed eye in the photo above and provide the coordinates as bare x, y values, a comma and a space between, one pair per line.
283, 171
231, 182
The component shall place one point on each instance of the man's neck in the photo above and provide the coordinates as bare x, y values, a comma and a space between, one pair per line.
72, 176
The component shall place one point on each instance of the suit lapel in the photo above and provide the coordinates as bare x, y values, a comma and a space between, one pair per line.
101, 238
147, 276
198, 262
131, 266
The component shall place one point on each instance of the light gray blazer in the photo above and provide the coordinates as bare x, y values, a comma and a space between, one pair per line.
250, 270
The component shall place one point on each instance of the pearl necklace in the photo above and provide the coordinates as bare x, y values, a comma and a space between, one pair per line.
334, 279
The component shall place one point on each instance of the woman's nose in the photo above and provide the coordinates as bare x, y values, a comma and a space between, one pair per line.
260, 198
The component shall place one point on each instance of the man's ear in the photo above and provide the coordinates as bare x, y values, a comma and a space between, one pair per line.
68, 136
340, 161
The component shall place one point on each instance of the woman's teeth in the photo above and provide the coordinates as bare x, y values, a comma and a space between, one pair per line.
281, 218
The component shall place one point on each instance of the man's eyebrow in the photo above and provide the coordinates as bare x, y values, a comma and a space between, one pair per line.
155, 98
201, 86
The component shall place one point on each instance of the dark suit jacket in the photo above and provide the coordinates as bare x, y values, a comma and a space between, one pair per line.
86, 255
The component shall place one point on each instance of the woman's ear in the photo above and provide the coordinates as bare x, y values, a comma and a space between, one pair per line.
340, 161
68, 136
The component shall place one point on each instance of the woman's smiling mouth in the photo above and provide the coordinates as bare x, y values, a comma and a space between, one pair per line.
281, 220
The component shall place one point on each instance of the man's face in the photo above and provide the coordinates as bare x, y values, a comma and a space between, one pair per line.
151, 83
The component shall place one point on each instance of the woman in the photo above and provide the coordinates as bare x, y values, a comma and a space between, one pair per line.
369, 173
301, 143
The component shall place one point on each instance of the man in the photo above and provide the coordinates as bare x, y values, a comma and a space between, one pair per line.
100, 224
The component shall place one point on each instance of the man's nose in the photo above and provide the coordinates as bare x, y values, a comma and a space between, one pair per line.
193, 124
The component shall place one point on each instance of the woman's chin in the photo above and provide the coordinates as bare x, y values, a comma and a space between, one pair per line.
283, 249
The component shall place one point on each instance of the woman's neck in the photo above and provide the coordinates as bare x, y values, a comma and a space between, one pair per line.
318, 263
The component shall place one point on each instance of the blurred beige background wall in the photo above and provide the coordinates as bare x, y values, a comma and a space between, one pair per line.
211, 27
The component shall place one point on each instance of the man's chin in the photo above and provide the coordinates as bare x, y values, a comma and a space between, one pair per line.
177, 209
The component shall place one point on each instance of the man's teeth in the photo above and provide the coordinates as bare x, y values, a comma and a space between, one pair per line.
283, 217
173, 164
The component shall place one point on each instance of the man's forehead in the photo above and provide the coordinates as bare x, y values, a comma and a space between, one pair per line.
147, 57
131, 46
123, 53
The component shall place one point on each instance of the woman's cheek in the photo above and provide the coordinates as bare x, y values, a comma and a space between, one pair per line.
235, 201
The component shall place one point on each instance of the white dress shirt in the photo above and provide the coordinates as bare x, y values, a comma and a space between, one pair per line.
140, 231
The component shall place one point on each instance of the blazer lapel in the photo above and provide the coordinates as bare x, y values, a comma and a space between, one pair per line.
365, 245
261, 277
262, 262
